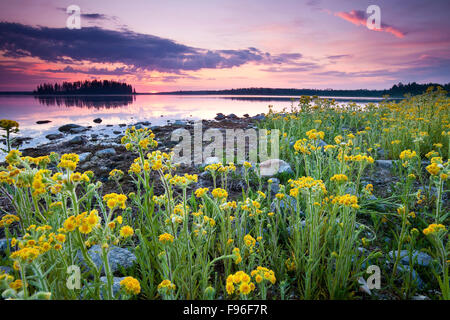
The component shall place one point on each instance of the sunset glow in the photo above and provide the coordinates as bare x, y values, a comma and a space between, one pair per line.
176, 45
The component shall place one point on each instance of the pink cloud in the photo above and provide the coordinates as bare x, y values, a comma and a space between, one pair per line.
359, 18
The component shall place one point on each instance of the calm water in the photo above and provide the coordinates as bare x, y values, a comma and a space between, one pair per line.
115, 110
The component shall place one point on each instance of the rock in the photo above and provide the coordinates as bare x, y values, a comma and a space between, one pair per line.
43, 121
415, 277
259, 117
232, 116
275, 186
54, 136
385, 164
18, 141
143, 123
211, 160
98, 120
180, 123
117, 258
418, 257
103, 169
122, 125
115, 288
381, 153
420, 297
84, 156
116, 283
433, 191
246, 115
3, 245
272, 167
220, 116
72, 128
117, 132
77, 140
109, 125
106, 152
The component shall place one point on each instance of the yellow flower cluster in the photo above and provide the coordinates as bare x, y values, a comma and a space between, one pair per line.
347, 200
200, 192
433, 229
407, 154
249, 241
306, 183
219, 193
242, 282
183, 181
434, 168
359, 158
131, 285
138, 139
27, 254
84, 222
114, 200
126, 231
116, 173
13, 157
262, 273
69, 161
237, 255
166, 286
8, 124
8, 219
314, 134
166, 238
339, 178
38, 161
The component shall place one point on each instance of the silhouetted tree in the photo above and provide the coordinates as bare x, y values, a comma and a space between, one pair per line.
85, 87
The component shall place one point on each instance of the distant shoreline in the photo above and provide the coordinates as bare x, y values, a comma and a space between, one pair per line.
181, 93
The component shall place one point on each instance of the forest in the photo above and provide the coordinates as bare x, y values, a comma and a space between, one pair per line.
85, 87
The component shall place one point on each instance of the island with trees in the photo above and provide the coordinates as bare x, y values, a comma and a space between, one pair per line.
98, 87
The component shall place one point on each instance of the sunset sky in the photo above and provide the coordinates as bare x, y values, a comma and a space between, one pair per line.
219, 44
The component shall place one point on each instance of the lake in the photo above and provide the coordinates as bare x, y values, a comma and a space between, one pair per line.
115, 110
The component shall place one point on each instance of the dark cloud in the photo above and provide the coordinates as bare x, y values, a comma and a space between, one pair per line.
95, 71
94, 16
359, 18
90, 16
339, 56
137, 50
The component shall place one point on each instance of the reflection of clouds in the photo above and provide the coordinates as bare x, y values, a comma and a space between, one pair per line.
156, 109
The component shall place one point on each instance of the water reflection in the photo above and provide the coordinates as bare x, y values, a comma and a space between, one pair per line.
91, 101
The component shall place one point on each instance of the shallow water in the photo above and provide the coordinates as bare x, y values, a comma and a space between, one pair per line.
115, 110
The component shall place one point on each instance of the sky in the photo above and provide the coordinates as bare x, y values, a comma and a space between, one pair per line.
216, 44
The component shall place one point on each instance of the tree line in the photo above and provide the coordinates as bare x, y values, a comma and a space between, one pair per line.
398, 90
85, 87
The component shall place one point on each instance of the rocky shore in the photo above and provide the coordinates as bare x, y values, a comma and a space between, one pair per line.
101, 151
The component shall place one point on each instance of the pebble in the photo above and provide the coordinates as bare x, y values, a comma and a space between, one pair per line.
117, 258
106, 152
272, 167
